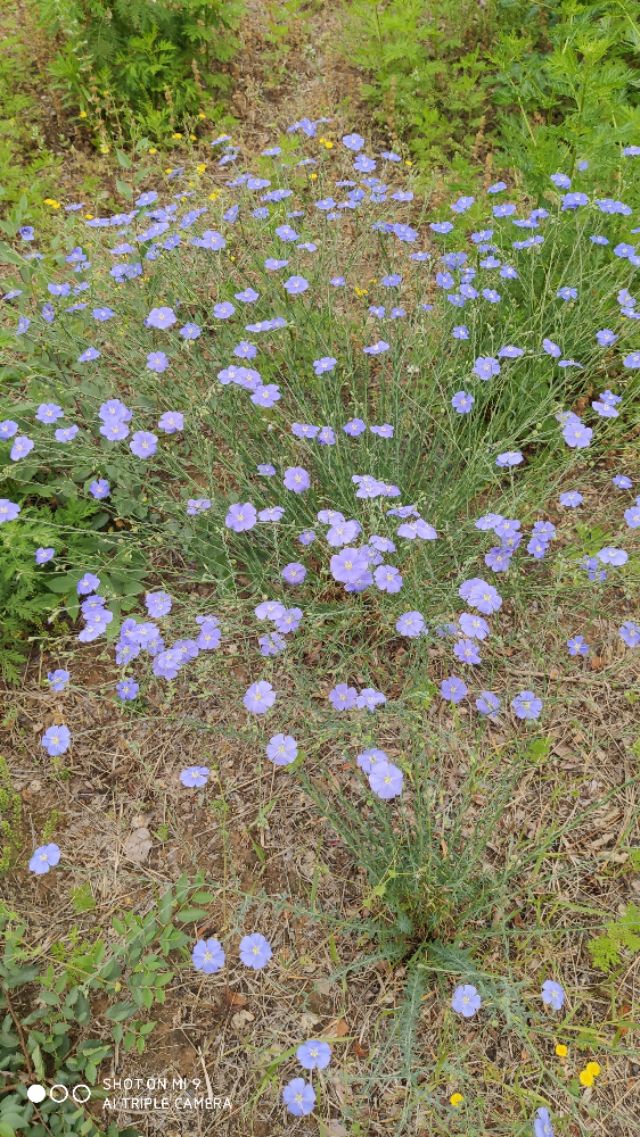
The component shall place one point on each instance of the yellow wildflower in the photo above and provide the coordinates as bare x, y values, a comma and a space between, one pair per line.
82, 114
586, 1077
153, 150
456, 1100
562, 1050
593, 1068
52, 202
201, 167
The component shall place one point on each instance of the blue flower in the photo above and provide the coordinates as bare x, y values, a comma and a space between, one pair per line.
466, 1000
255, 951
552, 994
44, 859
299, 1097
56, 740
314, 1054
208, 956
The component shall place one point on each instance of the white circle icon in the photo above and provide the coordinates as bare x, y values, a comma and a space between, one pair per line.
58, 1093
36, 1093
81, 1093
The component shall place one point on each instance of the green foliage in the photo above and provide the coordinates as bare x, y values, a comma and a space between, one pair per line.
33, 597
140, 65
542, 86
28, 168
48, 1006
29, 595
567, 89
57, 511
10, 811
427, 72
621, 937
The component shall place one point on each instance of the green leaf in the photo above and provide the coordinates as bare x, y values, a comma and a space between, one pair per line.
83, 899
62, 585
124, 189
121, 1011
190, 915
8, 256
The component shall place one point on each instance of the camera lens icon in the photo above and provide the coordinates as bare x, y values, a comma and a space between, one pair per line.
58, 1093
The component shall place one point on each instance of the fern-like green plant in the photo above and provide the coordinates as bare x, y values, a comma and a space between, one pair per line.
621, 937
10, 811
139, 64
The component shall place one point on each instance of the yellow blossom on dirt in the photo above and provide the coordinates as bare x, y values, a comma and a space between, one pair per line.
152, 150
82, 114
201, 114
201, 167
562, 1050
214, 195
177, 135
593, 1068
456, 1100
313, 177
52, 202
586, 1077
361, 291
88, 216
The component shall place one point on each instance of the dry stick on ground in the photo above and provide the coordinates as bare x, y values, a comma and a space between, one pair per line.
22, 1040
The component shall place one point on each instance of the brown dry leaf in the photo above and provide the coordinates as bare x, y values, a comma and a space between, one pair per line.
235, 999
339, 1028
138, 845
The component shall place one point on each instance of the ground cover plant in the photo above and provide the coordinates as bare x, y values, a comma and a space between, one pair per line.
142, 67
322, 503
527, 87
